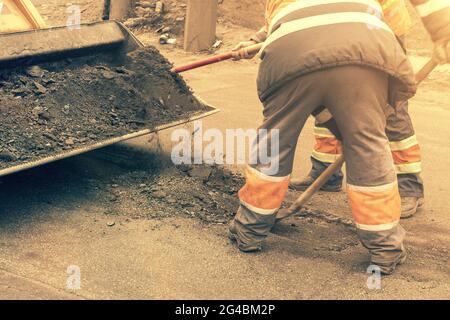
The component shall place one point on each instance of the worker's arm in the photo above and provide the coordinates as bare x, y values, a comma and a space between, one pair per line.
435, 15
259, 37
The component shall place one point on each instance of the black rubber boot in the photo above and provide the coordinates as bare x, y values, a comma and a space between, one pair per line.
244, 247
388, 269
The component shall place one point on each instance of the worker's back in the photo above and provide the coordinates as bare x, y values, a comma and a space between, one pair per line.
395, 12
310, 35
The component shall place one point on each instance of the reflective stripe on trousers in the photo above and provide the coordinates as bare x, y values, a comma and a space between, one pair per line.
263, 194
406, 153
327, 148
375, 208
407, 156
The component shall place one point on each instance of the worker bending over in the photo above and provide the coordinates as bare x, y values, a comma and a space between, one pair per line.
404, 145
343, 55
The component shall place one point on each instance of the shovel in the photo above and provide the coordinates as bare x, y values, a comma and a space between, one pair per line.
111, 39
215, 59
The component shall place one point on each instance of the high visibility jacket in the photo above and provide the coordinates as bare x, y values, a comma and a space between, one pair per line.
304, 36
396, 16
395, 13
435, 15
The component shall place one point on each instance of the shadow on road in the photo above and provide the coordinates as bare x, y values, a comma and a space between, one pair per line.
70, 183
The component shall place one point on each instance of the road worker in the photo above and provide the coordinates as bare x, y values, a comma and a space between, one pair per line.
343, 55
399, 130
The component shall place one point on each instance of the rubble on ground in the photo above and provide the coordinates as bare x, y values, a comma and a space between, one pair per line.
208, 193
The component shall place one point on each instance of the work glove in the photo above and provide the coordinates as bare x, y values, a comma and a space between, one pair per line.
441, 51
333, 127
324, 117
239, 54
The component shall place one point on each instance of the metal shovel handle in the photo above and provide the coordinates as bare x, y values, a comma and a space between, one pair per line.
312, 189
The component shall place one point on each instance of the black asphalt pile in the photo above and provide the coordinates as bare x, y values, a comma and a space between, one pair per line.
208, 193
63, 105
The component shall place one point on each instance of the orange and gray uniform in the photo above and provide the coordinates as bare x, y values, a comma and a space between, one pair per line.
320, 53
400, 131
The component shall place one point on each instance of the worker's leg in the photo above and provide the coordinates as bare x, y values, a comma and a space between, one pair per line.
371, 178
405, 151
407, 159
261, 197
327, 149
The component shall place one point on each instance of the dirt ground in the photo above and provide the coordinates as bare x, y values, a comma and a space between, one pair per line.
57, 12
139, 227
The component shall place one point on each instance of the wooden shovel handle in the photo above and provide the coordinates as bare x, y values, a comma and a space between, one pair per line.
203, 62
215, 59
425, 71
305, 196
